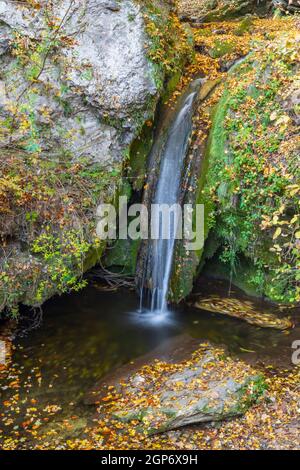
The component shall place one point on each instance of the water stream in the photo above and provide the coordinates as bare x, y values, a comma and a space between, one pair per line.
166, 195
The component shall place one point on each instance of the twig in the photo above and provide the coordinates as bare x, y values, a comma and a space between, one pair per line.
48, 51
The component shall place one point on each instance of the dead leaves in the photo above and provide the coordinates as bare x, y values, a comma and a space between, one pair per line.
244, 310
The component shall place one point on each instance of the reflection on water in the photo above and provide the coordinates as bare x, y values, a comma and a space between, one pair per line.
84, 336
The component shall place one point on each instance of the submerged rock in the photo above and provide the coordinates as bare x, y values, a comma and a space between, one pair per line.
208, 387
243, 310
171, 350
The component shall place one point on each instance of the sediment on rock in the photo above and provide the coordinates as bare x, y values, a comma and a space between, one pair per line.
208, 387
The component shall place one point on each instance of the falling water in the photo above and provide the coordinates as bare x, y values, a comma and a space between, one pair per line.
168, 192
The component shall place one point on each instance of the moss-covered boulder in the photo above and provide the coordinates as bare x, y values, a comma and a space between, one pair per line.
253, 177
215, 10
210, 386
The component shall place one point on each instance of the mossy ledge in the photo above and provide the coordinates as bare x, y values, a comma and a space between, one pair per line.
253, 175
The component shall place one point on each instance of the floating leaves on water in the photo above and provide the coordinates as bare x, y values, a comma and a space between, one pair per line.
244, 310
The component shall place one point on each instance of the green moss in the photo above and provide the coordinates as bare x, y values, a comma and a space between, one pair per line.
186, 263
228, 9
58, 243
121, 256
215, 147
244, 26
252, 392
138, 154
189, 264
93, 256
243, 274
221, 48
244, 189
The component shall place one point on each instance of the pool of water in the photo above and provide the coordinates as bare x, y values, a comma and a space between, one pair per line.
83, 336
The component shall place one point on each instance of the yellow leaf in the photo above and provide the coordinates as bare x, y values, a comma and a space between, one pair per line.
277, 233
294, 219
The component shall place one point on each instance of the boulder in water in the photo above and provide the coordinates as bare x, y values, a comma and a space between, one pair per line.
207, 387
243, 310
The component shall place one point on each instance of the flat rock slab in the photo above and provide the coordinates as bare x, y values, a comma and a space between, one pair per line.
209, 386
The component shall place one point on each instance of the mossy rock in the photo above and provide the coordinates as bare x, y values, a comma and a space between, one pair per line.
122, 256
209, 387
215, 10
253, 177
244, 26
186, 262
221, 48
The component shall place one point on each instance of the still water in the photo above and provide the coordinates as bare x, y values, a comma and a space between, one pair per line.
83, 336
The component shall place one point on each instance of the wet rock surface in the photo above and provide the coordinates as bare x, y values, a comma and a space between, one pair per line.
171, 350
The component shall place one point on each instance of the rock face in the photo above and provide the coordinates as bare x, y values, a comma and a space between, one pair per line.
290, 6
76, 86
217, 10
214, 10
207, 387
78, 81
101, 74
253, 173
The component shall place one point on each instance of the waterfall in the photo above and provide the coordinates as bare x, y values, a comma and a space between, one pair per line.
168, 190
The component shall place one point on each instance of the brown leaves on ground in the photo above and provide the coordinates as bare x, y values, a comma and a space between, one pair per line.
233, 41
272, 424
